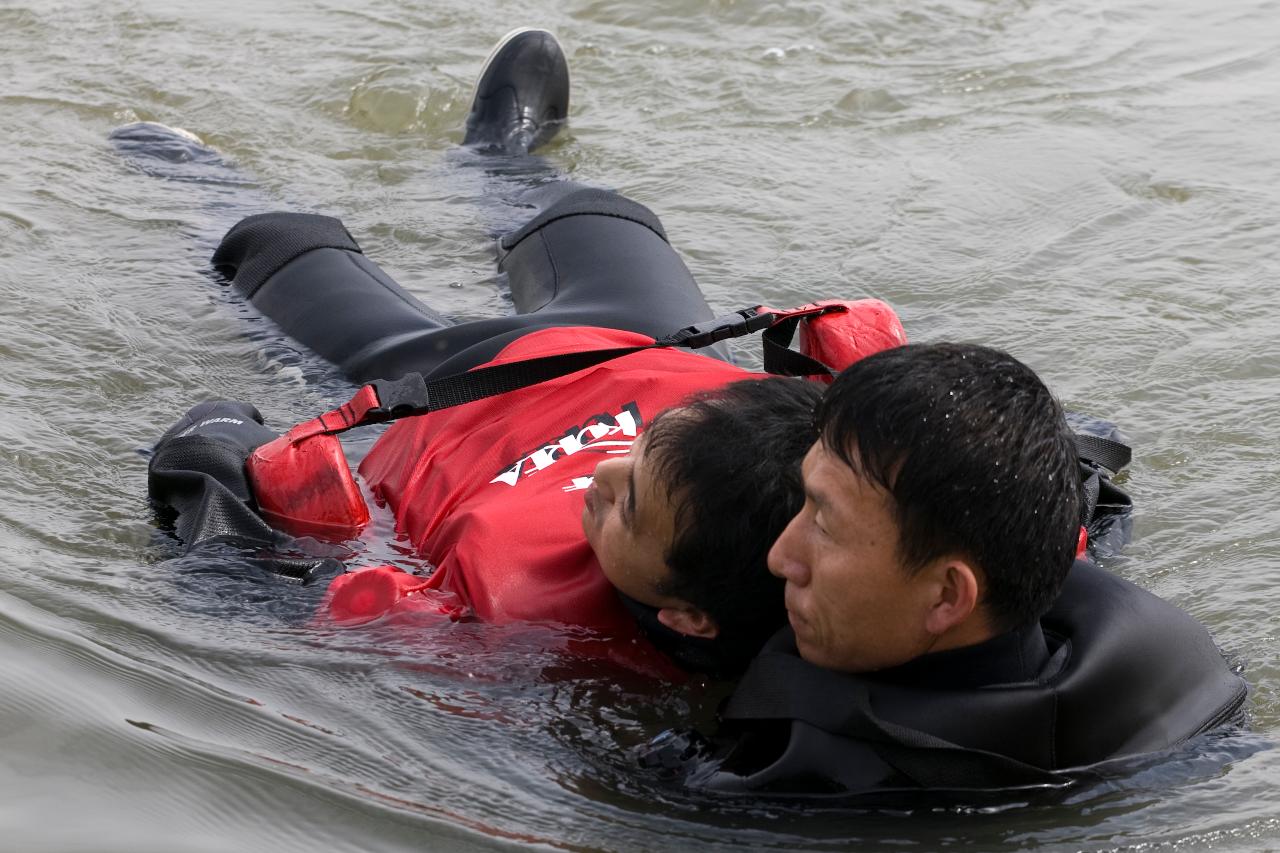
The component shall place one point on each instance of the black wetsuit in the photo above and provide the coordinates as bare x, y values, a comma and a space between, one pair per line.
1111, 671
589, 257
586, 258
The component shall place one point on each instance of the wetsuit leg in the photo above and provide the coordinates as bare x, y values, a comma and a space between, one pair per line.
595, 258
591, 257
588, 258
309, 275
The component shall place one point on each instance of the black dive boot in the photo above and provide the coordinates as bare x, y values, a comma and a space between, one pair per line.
522, 95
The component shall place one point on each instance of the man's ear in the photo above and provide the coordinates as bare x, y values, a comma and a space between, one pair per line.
954, 604
690, 621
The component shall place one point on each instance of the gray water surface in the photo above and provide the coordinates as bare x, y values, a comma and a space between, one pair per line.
1092, 186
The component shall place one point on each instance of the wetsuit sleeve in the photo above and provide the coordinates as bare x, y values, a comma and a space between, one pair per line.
197, 478
197, 474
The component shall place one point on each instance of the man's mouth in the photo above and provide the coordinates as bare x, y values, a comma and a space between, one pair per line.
793, 613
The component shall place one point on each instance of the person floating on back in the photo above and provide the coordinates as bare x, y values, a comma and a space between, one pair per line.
943, 630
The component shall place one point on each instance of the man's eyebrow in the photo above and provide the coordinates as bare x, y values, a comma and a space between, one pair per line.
814, 496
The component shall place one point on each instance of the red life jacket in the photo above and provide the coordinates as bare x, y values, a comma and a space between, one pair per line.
491, 493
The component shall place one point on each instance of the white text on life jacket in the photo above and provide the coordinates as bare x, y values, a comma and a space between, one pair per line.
599, 432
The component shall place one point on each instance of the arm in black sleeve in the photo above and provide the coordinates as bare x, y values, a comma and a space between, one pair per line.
197, 473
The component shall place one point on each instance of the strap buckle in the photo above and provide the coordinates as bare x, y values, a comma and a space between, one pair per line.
398, 398
735, 325
377, 402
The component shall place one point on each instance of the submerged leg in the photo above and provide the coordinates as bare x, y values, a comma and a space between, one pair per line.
303, 271
583, 256
520, 103
222, 193
587, 257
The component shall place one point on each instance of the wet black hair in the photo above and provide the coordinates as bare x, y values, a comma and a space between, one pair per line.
978, 459
730, 459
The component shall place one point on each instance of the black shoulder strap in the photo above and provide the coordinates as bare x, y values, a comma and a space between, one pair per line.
1108, 453
781, 360
1099, 458
385, 400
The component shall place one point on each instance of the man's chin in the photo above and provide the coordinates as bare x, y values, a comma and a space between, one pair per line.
808, 650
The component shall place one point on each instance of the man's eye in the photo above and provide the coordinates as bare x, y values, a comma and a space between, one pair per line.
817, 522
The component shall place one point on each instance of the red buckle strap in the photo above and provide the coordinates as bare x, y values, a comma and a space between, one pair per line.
811, 309
363, 408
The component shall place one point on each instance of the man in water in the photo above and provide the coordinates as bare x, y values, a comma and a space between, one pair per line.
499, 494
943, 632
933, 641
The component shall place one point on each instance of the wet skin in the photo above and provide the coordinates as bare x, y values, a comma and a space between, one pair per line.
629, 522
853, 605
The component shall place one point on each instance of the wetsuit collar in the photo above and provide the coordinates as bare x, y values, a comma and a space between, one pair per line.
1014, 656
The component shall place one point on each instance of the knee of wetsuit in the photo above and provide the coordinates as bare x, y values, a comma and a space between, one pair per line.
259, 246
586, 201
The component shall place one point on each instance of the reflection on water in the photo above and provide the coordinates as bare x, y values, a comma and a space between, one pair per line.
1091, 187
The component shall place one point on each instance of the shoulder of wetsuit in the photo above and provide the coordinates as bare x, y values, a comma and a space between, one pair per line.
1139, 675
1128, 674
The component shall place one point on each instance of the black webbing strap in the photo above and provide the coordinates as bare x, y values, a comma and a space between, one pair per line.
412, 395
385, 400
1096, 452
1108, 453
781, 686
1091, 485
781, 360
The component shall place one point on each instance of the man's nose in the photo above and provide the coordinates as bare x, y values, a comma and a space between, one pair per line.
609, 477
785, 558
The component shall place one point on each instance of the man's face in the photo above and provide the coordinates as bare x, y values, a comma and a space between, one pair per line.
852, 604
630, 523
